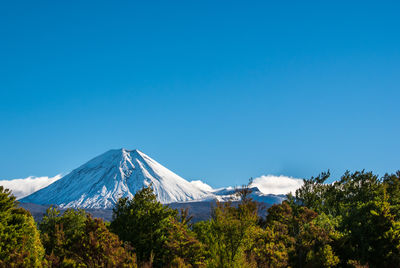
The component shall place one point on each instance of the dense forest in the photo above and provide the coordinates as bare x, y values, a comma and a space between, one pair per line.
352, 222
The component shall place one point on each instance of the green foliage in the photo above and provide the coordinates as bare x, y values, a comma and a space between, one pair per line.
227, 234
61, 232
75, 239
366, 209
183, 246
204, 233
267, 248
391, 183
145, 223
306, 235
311, 192
20, 244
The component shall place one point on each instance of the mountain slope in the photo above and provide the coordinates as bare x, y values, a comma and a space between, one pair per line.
117, 173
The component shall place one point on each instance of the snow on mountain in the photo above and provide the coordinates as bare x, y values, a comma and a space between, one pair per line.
201, 185
24, 187
117, 173
230, 194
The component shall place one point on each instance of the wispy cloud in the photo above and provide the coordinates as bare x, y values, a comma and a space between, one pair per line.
23, 187
270, 184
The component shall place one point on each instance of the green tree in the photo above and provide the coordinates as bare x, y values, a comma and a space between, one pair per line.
102, 248
204, 233
391, 182
307, 236
60, 232
75, 239
228, 232
267, 248
144, 223
20, 244
373, 233
183, 247
367, 210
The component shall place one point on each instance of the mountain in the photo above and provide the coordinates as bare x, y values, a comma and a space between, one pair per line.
117, 173
229, 194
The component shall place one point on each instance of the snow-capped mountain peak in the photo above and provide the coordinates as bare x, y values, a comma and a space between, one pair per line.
100, 182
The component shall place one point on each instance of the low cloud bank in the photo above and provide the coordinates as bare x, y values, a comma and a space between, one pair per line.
270, 184
24, 187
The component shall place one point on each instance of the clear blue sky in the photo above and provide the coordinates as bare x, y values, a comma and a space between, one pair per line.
214, 90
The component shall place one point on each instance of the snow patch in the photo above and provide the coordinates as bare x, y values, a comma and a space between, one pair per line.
202, 186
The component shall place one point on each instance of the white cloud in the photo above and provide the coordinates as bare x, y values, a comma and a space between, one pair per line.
270, 184
23, 187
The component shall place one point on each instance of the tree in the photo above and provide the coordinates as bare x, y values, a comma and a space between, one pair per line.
204, 233
103, 248
391, 182
373, 233
267, 248
76, 239
144, 223
20, 244
183, 246
307, 236
59, 232
228, 232
367, 211
313, 189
